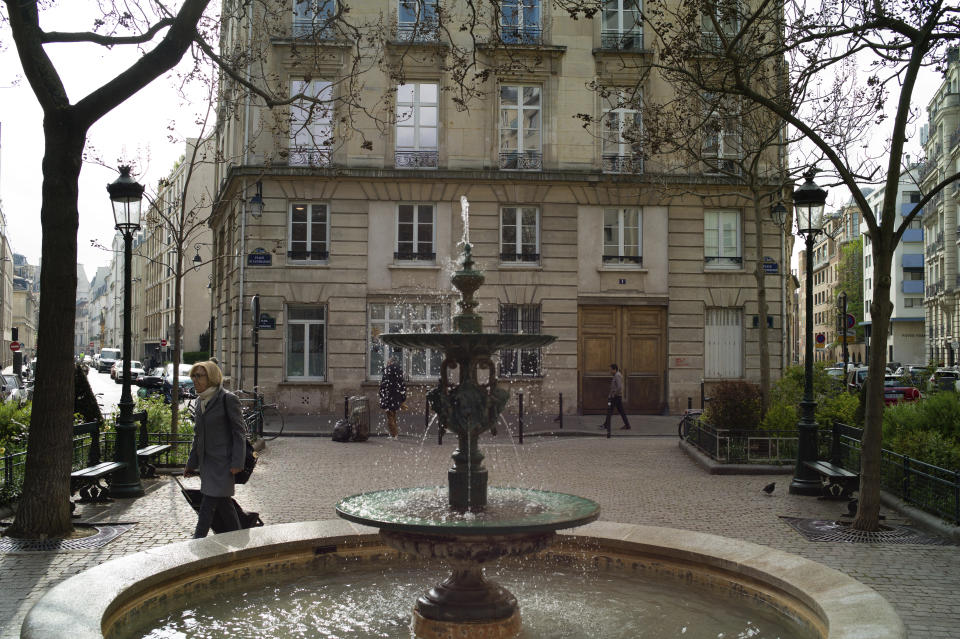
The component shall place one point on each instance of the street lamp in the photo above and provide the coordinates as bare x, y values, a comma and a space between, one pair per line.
197, 260
808, 202
125, 194
778, 213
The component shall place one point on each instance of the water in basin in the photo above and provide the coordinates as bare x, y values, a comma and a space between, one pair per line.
559, 602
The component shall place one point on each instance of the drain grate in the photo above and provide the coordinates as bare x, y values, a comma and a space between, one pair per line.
104, 535
840, 531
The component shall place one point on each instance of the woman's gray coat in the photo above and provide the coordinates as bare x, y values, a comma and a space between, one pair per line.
218, 444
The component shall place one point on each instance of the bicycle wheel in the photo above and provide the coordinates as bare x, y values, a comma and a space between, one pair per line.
272, 421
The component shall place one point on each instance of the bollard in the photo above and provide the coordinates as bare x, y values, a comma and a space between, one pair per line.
701, 395
561, 411
346, 407
520, 399
689, 403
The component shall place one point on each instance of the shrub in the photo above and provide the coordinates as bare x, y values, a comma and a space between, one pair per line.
14, 421
192, 357
780, 416
734, 406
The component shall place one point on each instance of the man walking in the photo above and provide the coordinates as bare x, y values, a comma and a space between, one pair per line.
393, 393
615, 398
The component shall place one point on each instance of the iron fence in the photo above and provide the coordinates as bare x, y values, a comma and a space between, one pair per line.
729, 446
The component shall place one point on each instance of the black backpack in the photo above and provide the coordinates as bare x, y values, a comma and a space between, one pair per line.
342, 431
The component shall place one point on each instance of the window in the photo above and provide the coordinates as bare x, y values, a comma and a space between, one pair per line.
519, 234
622, 237
621, 25
415, 232
520, 141
723, 343
520, 318
721, 136
721, 239
415, 318
309, 232
911, 302
306, 341
719, 17
417, 126
621, 152
417, 21
311, 122
313, 19
520, 22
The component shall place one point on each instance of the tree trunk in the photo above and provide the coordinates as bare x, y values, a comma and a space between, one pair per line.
45, 509
177, 337
868, 512
762, 309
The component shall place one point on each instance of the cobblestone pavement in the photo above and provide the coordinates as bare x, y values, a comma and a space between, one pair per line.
640, 480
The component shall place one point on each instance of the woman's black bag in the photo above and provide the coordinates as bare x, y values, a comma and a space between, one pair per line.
249, 463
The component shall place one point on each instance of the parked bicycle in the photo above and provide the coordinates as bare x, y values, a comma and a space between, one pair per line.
689, 419
257, 413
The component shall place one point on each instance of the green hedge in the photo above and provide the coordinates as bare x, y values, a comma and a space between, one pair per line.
192, 357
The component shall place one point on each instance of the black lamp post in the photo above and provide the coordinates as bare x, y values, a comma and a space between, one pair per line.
808, 202
125, 195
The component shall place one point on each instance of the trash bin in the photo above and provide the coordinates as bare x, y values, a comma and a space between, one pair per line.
358, 412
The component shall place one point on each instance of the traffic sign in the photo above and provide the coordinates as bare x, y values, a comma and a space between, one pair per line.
14, 346
821, 340
91, 343
851, 320
163, 342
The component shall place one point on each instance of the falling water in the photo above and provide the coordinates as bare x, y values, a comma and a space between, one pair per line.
465, 214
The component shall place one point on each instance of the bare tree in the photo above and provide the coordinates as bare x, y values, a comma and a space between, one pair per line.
731, 48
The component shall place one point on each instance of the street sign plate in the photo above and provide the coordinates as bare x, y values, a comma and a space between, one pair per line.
14, 346
163, 342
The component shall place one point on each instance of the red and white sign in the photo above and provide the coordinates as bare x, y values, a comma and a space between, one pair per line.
91, 343
14, 346
163, 342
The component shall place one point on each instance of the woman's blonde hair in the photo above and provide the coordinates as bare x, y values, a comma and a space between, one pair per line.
214, 375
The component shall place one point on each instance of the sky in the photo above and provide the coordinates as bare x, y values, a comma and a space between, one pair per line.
147, 131
139, 132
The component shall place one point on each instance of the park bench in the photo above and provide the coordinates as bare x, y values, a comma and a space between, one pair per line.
146, 453
89, 482
838, 482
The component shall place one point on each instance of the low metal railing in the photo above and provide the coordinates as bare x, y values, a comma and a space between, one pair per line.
729, 446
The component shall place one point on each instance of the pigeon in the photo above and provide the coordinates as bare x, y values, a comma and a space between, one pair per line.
852, 506
769, 487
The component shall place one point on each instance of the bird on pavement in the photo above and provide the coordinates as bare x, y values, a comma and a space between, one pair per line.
852, 506
769, 487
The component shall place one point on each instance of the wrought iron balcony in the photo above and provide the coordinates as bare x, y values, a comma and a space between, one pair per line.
520, 257
527, 161
410, 256
636, 260
510, 323
310, 157
315, 256
721, 166
720, 260
621, 41
425, 32
315, 29
521, 35
417, 159
622, 164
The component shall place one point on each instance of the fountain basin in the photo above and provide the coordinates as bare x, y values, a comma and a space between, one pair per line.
130, 589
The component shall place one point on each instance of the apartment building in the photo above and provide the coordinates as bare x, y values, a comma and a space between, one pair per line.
177, 223
905, 343
942, 150
345, 228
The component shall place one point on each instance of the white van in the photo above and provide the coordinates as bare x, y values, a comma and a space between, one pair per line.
108, 356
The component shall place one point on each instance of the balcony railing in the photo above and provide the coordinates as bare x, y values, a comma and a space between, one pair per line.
313, 29
635, 260
520, 257
410, 256
521, 35
622, 164
621, 41
425, 32
720, 260
417, 159
526, 161
310, 157
308, 255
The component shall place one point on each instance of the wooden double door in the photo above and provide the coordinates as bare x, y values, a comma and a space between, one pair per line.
634, 338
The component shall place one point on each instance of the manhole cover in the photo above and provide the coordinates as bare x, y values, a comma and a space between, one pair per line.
104, 535
840, 531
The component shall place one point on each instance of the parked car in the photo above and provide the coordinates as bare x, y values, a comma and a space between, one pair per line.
151, 382
186, 384
916, 374
856, 377
12, 390
944, 379
136, 371
894, 391
106, 359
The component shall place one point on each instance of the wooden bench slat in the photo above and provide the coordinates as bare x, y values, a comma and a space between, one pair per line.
828, 469
155, 449
100, 470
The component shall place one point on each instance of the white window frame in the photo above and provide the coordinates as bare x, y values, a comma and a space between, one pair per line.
623, 255
415, 252
727, 13
311, 123
316, 251
309, 324
512, 245
520, 318
619, 121
512, 120
423, 27
627, 33
311, 18
390, 317
411, 115
721, 254
722, 138
723, 343
517, 25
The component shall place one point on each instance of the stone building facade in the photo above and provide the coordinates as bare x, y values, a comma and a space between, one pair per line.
580, 236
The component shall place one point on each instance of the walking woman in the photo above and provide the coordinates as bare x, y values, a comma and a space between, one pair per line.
218, 448
393, 393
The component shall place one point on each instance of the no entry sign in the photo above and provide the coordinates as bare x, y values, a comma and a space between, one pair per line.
14, 346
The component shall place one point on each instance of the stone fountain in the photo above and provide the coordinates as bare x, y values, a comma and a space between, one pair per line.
470, 525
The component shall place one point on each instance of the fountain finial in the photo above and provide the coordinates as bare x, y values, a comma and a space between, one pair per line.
467, 280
